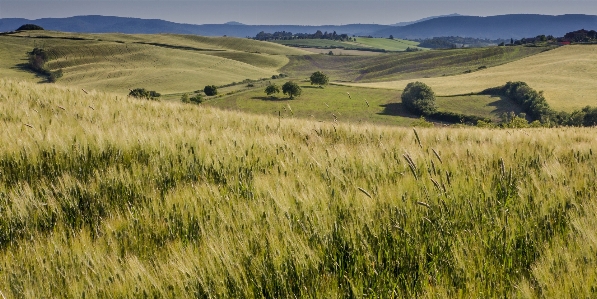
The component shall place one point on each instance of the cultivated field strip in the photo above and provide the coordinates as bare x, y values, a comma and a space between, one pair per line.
104, 196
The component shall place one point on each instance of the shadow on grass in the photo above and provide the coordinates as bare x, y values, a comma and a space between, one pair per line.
312, 86
504, 105
396, 109
25, 68
271, 99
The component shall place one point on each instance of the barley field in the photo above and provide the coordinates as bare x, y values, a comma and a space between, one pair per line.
567, 75
103, 196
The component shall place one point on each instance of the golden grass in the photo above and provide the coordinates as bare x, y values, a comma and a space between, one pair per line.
105, 196
567, 75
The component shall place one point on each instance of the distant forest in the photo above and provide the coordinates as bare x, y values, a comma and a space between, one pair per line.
283, 35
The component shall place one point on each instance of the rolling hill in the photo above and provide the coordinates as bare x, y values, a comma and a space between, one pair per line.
567, 75
166, 63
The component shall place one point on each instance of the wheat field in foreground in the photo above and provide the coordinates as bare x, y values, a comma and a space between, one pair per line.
567, 75
104, 196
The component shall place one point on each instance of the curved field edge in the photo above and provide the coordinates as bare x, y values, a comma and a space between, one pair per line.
105, 196
567, 76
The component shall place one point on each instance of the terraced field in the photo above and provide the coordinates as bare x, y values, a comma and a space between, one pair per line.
401, 66
566, 75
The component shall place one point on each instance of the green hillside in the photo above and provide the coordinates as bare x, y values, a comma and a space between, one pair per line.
361, 43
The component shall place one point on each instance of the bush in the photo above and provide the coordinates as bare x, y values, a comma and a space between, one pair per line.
54, 76
197, 99
210, 90
319, 78
419, 98
185, 98
142, 93
533, 103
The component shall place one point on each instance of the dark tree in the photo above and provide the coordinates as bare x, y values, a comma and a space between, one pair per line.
30, 27
419, 98
271, 89
291, 89
210, 90
319, 78
391, 36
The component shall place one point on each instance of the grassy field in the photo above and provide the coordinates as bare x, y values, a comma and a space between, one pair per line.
391, 45
330, 104
406, 66
105, 196
567, 75
491, 107
165, 63
387, 44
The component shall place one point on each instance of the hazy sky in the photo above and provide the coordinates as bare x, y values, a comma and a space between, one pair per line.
300, 12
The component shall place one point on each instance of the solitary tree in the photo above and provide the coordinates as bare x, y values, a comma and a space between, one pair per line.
391, 36
291, 89
419, 98
210, 90
271, 89
30, 27
319, 78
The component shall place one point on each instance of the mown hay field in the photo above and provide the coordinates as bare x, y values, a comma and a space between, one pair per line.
567, 75
105, 196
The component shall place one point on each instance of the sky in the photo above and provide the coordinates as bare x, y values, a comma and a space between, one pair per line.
288, 12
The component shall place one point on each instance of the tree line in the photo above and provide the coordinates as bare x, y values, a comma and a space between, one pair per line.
283, 35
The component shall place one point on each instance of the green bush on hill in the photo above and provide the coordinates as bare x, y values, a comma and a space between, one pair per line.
419, 98
210, 90
291, 89
319, 78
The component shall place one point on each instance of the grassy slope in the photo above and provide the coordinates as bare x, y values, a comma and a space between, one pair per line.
110, 197
387, 44
176, 64
567, 75
491, 107
322, 104
362, 42
406, 65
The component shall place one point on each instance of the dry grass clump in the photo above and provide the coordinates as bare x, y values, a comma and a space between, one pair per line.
150, 199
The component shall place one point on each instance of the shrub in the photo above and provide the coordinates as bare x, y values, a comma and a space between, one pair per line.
54, 76
419, 98
533, 102
185, 98
319, 78
197, 99
142, 93
210, 90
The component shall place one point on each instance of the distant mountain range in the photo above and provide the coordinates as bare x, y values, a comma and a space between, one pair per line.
493, 27
425, 19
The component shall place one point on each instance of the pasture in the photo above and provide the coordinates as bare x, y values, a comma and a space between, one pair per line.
107, 196
567, 76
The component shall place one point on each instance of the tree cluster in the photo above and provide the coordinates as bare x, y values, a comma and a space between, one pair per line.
142, 93
532, 102
283, 35
319, 78
452, 42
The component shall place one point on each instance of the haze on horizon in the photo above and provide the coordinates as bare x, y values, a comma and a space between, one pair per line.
295, 12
